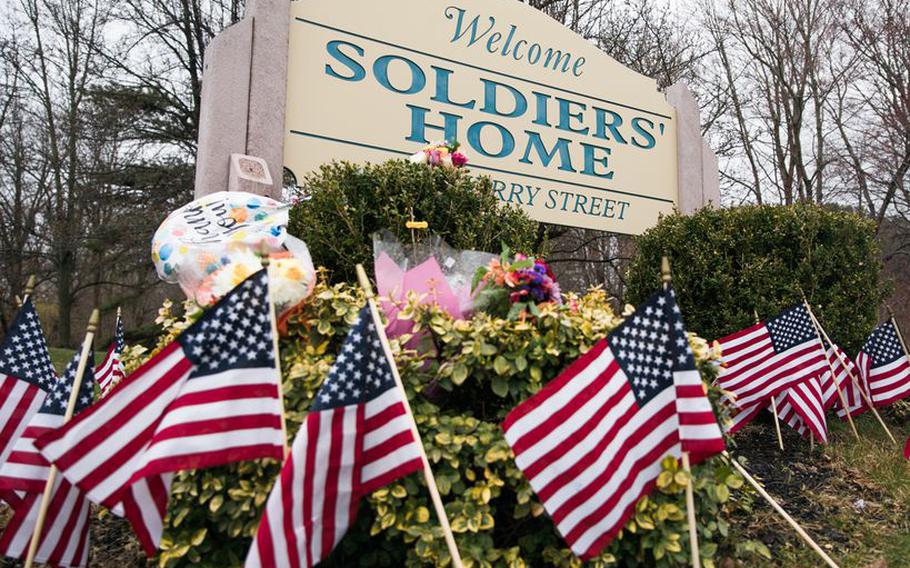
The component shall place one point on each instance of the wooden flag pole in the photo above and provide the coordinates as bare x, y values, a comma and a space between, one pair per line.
821, 333
29, 289
70, 410
427, 470
856, 383
666, 278
273, 321
799, 530
780, 439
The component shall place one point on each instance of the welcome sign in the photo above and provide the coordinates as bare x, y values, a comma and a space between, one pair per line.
563, 130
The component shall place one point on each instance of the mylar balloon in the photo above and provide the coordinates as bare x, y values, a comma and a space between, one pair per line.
200, 238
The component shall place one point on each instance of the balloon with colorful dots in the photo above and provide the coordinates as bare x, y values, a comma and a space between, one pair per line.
212, 243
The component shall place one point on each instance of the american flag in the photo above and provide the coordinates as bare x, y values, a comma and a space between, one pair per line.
356, 439
845, 372
770, 357
208, 398
110, 371
883, 365
65, 534
802, 408
591, 441
26, 375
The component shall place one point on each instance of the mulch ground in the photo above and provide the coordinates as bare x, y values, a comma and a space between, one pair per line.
836, 504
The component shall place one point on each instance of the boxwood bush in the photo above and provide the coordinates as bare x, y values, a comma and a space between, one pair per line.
483, 367
729, 262
344, 204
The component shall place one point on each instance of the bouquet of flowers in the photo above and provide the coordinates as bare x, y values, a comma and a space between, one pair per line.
432, 269
443, 154
507, 288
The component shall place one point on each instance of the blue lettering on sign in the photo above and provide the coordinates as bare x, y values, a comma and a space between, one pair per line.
565, 134
357, 70
474, 31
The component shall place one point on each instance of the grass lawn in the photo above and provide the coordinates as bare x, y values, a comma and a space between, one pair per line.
852, 497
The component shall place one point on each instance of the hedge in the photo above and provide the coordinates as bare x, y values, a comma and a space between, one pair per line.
344, 204
485, 366
728, 262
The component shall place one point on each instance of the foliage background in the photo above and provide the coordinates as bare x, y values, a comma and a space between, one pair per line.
728, 262
344, 204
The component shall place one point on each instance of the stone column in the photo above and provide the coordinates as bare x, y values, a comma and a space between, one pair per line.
241, 119
696, 163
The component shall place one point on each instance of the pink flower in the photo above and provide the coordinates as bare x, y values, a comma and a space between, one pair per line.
459, 159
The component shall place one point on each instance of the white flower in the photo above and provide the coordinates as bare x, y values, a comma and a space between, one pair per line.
291, 282
290, 279
418, 157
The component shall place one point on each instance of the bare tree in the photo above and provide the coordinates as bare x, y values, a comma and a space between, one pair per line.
873, 112
23, 175
771, 59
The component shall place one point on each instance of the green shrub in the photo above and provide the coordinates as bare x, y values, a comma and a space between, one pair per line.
484, 366
347, 203
728, 262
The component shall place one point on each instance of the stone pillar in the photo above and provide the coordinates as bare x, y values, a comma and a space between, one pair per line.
241, 118
268, 86
698, 177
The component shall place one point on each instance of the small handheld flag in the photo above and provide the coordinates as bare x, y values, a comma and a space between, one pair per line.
110, 371
768, 358
65, 533
884, 366
356, 439
26, 376
592, 440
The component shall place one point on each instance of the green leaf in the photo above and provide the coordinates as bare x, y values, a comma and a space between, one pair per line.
500, 386
515, 310
522, 264
478, 276
459, 373
501, 365
215, 503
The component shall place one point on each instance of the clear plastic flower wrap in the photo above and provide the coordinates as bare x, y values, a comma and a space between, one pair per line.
429, 268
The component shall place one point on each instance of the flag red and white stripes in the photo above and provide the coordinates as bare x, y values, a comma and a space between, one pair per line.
110, 371
802, 408
768, 358
26, 375
356, 439
65, 533
208, 398
592, 440
848, 378
698, 428
884, 365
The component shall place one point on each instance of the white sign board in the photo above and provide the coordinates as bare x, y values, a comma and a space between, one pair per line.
563, 130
